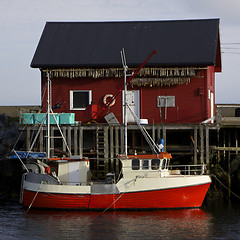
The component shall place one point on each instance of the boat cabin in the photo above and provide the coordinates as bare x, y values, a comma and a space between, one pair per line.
73, 172
155, 165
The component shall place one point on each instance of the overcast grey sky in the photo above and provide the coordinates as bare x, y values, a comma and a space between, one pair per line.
22, 23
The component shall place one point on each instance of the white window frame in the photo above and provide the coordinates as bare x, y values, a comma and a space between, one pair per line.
166, 101
71, 98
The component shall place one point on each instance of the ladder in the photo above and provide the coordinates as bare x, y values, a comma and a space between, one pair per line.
102, 152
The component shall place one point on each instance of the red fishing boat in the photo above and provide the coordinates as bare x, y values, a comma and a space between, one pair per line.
145, 181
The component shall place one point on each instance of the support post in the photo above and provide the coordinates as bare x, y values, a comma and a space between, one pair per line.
165, 138
64, 147
81, 141
69, 142
28, 138
236, 140
75, 140
195, 144
207, 144
52, 140
111, 149
122, 138
229, 168
117, 147
106, 149
41, 140
201, 144
153, 133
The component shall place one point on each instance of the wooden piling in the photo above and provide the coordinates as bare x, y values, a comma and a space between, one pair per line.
80, 141
207, 144
201, 145
195, 144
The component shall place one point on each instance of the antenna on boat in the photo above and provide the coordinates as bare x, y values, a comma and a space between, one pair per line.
49, 102
50, 112
125, 67
126, 81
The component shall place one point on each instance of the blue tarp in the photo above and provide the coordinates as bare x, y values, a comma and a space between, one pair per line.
25, 155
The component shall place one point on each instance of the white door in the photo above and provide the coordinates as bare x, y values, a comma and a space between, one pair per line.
133, 100
73, 173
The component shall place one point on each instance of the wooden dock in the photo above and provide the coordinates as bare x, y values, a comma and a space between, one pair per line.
101, 143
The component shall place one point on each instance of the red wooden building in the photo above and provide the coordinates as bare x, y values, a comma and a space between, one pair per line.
177, 85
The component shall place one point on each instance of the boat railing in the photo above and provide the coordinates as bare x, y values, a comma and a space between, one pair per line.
76, 183
198, 169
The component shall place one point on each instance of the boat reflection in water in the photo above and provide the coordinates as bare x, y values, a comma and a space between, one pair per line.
207, 223
166, 224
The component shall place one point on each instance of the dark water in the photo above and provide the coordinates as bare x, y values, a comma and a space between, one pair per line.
214, 223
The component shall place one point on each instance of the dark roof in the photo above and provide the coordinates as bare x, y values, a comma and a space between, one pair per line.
89, 44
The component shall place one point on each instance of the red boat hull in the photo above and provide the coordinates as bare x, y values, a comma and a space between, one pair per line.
185, 197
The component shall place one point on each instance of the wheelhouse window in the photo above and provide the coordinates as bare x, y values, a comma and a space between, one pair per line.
164, 163
135, 164
155, 164
145, 164
80, 99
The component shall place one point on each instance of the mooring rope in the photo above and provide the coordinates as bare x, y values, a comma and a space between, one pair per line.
133, 180
21, 160
212, 175
35, 197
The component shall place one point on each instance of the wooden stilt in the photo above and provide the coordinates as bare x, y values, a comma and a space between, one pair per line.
28, 143
201, 145
64, 148
111, 143
195, 144
75, 140
207, 144
52, 140
69, 139
80, 141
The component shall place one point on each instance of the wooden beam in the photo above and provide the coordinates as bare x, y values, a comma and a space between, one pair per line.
207, 143
106, 148
64, 135
75, 140
165, 138
28, 138
116, 140
195, 144
225, 149
201, 145
122, 138
52, 140
41, 140
69, 139
80, 142
111, 143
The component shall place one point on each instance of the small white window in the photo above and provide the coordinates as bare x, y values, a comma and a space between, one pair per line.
145, 164
80, 99
166, 101
135, 164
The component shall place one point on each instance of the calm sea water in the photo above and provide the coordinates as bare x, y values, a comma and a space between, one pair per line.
206, 223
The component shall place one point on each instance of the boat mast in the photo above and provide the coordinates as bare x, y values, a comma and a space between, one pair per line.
125, 100
49, 100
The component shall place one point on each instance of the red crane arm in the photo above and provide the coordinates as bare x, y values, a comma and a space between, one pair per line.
133, 76
128, 81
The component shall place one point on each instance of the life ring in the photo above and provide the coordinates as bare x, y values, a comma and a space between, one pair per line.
106, 102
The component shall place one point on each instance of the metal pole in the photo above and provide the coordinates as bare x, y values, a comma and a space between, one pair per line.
125, 112
125, 100
48, 115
